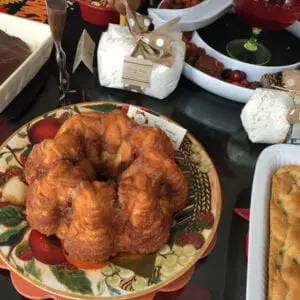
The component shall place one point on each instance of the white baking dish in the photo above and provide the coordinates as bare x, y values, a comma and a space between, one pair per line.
268, 162
38, 38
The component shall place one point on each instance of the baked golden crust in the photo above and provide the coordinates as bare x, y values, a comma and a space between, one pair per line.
284, 249
150, 190
94, 219
46, 154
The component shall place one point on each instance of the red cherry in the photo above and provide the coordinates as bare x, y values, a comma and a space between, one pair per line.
43, 129
226, 74
237, 75
236, 83
26, 255
46, 250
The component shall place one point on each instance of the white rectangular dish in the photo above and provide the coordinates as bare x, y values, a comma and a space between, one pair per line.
268, 162
38, 37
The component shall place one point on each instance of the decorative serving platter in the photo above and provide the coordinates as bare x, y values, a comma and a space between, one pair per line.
192, 233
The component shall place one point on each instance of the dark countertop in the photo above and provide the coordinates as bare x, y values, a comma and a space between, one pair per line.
214, 121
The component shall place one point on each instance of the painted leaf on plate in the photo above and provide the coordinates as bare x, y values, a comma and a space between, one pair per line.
142, 266
76, 109
32, 270
22, 134
8, 158
74, 280
11, 216
28, 150
6, 235
155, 277
24, 247
106, 108
3, 153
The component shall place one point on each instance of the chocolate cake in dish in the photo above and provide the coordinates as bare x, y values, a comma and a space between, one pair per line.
13, 52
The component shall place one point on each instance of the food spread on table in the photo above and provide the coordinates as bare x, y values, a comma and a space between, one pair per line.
13, 52
100, 195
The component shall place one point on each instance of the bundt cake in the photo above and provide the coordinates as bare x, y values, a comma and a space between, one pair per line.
131, 211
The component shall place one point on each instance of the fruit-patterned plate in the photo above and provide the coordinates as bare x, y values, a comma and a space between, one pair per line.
123, 277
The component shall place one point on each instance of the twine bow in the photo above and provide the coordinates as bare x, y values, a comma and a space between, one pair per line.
154, 46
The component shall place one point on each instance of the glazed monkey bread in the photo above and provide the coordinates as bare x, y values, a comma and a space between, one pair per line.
131, 212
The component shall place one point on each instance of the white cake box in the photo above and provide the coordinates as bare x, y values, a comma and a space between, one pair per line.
38, 37
268, 162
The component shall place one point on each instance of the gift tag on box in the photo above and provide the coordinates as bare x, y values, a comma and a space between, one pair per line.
136, 73
175, 132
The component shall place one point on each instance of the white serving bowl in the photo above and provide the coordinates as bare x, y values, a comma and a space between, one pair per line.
227, 90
